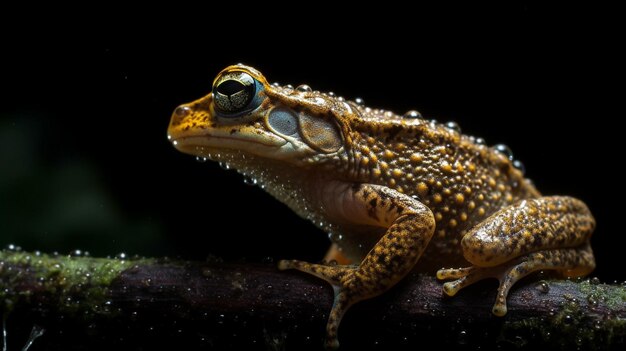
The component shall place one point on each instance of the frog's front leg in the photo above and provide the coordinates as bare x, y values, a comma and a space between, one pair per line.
409, 225
531, 235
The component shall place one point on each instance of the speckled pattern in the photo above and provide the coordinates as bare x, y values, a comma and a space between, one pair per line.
393, 192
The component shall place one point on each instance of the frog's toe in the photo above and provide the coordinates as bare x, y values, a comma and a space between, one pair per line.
453, 273
286, 264
463, 277
470, 275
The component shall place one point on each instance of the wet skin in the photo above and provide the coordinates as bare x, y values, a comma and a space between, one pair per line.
394, 192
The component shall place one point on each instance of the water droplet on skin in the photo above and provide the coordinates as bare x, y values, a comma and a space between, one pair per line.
412, 114
505, 150
453, 126
200, 159
249, 181
304, 88
182, 111
519, 165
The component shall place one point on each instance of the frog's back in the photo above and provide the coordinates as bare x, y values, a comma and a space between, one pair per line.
458, 177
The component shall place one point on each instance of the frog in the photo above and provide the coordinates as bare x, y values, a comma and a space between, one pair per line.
396, 193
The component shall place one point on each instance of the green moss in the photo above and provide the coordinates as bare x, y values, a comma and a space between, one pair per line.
65, 278
572, 324
613, 296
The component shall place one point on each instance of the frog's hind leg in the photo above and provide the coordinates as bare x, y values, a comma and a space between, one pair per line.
539, 234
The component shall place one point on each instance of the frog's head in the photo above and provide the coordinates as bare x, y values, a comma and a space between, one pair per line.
244, 115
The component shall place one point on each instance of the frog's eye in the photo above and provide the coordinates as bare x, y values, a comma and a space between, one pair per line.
234, 93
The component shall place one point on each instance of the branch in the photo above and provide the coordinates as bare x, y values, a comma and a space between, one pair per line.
97, 303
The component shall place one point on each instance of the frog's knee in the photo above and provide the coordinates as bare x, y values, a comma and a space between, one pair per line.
484, 250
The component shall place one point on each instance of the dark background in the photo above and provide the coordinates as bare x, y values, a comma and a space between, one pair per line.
85, 163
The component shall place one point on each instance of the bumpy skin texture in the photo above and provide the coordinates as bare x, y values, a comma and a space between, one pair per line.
395, 193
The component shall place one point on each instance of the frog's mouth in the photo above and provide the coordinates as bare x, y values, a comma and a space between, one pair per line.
195, 144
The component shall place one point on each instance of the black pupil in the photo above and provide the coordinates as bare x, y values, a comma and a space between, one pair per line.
230, 87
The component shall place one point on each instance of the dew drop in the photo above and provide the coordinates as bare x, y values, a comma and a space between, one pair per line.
224, 165
543, 287
480, 141
289, 86
412, 114
304, 88
519, 165
592, 299
453, 126
505, 150
13, 247
359, 101
200, 159
121, 256
275, 84
249, 181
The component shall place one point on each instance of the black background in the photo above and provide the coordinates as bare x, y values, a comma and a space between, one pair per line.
86, 163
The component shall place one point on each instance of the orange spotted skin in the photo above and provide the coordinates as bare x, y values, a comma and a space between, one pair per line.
394, 192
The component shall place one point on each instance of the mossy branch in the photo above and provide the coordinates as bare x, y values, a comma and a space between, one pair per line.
97, 303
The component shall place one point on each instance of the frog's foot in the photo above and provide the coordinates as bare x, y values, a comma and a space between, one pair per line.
339, 277
578, 261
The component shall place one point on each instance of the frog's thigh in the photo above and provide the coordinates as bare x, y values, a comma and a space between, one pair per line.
537, 234
409, 225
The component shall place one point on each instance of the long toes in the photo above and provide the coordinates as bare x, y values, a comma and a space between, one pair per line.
286, 264
453, 273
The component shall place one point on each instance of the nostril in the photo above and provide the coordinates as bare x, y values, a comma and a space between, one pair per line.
182, 111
